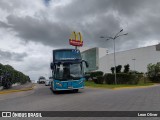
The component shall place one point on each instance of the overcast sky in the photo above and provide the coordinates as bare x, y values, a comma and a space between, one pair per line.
31, 29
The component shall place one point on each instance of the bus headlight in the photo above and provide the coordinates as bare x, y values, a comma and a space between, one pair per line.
59, 84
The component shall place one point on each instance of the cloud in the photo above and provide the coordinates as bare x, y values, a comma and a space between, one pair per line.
105, 17
4, 25
50, 25
47, 2
6, 55
44, 31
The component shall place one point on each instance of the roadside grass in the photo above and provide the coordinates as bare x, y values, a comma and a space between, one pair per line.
107, 86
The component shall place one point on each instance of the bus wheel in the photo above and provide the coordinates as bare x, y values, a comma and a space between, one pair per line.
75, 90
55, 92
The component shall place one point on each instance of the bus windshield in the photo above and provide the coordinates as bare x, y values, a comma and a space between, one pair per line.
68, 71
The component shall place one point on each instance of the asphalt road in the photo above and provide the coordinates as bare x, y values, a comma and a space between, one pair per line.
89, 99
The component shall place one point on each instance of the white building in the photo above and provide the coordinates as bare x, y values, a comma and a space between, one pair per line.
138, 59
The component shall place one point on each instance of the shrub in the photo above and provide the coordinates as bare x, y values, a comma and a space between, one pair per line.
154, 72
122, 78
109, 78
135, 72
96, 76
87, 75
99, 80
143, 80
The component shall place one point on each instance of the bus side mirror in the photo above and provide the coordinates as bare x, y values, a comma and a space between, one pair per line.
87, 65
52, 66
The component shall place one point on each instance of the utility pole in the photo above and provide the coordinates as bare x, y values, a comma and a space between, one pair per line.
134, 63
114, 47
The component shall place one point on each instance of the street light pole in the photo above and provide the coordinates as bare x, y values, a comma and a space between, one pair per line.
114, 45
115, 72
134, 64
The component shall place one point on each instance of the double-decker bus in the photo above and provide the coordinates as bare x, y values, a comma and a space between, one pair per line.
67, 70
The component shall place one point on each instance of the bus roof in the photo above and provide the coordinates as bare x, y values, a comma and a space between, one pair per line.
65, 49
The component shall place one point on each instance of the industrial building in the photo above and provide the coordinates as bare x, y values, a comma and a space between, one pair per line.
138, 59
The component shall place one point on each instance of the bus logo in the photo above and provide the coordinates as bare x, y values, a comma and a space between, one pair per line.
76, 39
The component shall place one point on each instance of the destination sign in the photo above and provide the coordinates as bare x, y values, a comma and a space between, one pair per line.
67, 55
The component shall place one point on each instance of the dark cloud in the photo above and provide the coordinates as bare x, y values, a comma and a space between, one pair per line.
140, 18
46, 2
44, 31
5, 55
52, 25
4, 25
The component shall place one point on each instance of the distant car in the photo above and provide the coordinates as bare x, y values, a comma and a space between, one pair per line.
42, 80
47, 82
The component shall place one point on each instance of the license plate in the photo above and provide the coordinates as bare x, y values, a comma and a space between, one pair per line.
70, 85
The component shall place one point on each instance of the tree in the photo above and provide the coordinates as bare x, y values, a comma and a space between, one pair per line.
9, 75
154, 72
126, 68
118, 68
112, 70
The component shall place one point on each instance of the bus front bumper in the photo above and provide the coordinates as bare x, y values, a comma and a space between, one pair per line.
58, 89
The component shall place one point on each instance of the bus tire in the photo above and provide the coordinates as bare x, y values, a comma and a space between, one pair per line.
75, 90
55, 92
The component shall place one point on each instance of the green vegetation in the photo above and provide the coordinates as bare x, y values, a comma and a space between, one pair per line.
119, 67
127, 78
122, 78
154, 72
95, 74
112, 70
8, 73
112, 86
126, 68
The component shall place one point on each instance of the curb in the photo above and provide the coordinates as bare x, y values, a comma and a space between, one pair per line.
120, 88
133, 87
13, 91
98, 87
